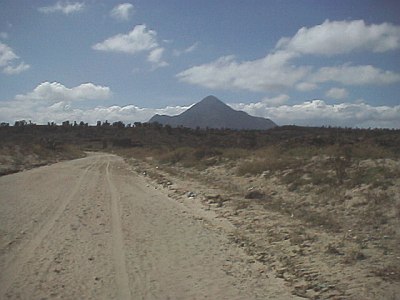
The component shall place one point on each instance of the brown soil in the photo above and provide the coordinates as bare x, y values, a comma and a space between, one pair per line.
326, 241
92, 228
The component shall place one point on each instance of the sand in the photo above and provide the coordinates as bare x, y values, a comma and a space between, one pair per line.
92, 228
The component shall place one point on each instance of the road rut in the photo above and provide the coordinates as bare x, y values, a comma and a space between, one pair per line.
92, 229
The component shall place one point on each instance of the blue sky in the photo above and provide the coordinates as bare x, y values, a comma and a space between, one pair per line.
296, 62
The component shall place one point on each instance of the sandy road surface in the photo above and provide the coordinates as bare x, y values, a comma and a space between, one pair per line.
92, 229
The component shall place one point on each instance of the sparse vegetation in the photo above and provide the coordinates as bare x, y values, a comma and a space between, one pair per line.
296, 195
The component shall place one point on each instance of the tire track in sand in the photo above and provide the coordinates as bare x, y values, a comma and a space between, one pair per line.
122, 277
14, 266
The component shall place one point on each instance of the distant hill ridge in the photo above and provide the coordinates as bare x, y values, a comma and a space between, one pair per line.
213, 113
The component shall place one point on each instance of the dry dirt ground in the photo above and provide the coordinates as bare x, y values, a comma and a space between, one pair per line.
92, 228
334, 244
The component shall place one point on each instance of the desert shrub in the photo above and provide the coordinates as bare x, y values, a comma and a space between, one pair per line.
341, 161
270, 159
303, 152
39, 150
376, 211
240, 204
70, 151
388, 273
299, 235
319, 178
260, 161
189, 156
253, 167
378, 176
353, 255
397, 210
174, 156
294, 179
378, 198
120, 142
322, 219
372, 151
202, 153
333, 249
234, 153
255, 194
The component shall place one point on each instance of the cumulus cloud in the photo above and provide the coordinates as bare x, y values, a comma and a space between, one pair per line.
355, 75
54, 92
306, 86
13, 70
319, 113
53, 102
271, 73
63, 110
278, 71
9, 61
308, 113
275, 101
63, 7
129, 113
7, 55
187, 50
337, 93
122, 12
138, 40
155, 57
338, 37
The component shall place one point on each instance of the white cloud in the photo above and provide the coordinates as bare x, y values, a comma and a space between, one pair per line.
275, 101
270, 73
355, 75
337, 93
309, 113
318, 113
277, 71
63, 7
7, 55
14, 70
155, 57
129, 113
52, 102
187, 50
138, 40
122, 12
8, 61
338, 37
306, 86
260, 108
54, 92
62, 111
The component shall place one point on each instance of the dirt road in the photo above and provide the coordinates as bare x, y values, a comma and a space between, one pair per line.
92, 229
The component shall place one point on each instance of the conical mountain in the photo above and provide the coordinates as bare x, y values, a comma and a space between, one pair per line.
213, 113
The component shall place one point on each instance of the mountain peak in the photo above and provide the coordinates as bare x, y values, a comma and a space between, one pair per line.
210, 104
213, 113
210, 99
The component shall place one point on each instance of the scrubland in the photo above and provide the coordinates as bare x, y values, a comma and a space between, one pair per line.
318, 206
322, 211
